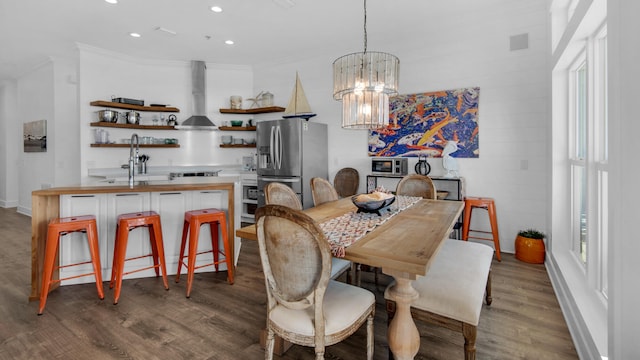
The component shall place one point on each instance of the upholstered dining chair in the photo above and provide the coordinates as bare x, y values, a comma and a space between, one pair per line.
276, 193
346, 182
304, 306
322, 191
417, 185
280, 194
410, 185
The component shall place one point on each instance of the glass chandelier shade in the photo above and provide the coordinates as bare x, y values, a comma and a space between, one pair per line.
363, 82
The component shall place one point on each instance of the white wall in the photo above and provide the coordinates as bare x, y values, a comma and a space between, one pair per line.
624, 193
105, 74
36, 102
9, 145
467, 52
64, 130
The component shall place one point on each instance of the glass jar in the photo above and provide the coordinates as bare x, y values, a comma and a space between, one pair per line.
267, 99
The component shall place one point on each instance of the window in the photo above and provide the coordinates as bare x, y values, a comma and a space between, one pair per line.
588, 156
580, 177
578, 157
601, 157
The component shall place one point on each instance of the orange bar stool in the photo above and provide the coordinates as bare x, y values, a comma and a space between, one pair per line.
483, 203
126, 223
63, 226
193, 220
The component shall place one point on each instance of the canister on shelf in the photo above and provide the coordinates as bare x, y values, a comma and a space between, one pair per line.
266, 99
236, 102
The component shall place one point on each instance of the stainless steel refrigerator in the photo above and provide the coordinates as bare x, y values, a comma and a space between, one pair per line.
291, 151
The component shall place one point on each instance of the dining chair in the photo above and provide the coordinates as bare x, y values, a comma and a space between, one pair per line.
280, 194
346, 182
409, 185
304, 306
322, 191
417, 185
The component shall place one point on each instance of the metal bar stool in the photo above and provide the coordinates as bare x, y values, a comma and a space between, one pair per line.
126, 223
63, 226
193, 220
483, 203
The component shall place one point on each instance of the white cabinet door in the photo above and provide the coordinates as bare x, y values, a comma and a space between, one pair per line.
138, 242
171, 206
106, 207
74, 247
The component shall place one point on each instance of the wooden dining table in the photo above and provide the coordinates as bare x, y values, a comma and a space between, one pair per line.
403, 247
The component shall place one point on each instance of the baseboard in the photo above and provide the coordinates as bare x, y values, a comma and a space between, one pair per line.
8, 204
582, 340
24, 211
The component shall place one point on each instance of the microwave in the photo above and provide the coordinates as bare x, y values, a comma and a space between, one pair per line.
389, 166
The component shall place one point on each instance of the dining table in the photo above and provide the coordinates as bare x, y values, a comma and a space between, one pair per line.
403, 246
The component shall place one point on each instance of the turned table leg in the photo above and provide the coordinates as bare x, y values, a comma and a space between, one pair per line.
402, 334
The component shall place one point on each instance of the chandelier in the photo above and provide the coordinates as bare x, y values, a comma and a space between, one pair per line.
363, 82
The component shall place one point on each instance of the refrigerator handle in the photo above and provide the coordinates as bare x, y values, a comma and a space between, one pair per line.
271, 145
279, 148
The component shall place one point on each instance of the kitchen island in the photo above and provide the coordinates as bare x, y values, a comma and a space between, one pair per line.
106, 200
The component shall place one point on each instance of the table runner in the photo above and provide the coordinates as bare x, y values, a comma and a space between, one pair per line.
345, 230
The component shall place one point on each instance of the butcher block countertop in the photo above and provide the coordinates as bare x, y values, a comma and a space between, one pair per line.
46, 206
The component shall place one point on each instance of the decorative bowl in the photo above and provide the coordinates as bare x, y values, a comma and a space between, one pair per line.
236, 122
366, 203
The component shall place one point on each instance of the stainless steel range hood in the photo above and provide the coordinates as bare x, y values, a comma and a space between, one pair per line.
198, 119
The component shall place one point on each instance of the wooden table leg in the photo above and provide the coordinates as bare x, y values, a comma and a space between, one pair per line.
402, 334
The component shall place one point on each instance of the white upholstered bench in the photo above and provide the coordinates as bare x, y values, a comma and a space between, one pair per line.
451, 293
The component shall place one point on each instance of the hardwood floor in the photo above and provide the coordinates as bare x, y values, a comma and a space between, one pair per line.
222, 321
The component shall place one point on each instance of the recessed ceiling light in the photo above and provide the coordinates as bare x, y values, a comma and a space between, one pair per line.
112, 1
229, 42
135, 35
216, 9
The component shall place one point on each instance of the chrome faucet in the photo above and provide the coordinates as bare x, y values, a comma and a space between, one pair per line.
133, 159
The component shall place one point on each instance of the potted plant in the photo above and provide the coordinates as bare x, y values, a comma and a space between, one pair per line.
530, 246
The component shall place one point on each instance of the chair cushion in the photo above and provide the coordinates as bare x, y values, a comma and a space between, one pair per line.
455, 284
338, 266
343, 305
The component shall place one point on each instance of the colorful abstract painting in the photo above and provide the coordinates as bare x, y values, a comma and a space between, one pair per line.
421, 125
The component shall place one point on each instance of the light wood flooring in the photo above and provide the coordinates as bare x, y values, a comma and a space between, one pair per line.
221, 321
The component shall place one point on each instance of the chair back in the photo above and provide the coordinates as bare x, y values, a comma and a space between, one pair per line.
322, 191
417, 185
280, 194
296, 259
346, 182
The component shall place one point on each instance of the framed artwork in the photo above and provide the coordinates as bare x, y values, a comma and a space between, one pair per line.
35, 136
421, 125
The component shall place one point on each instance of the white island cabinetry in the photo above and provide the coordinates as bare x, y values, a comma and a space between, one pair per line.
171, 205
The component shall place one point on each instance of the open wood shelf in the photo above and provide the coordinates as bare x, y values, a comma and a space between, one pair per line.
237, 145
133, 107
132, 126
237, 128
262, 110
141, 145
